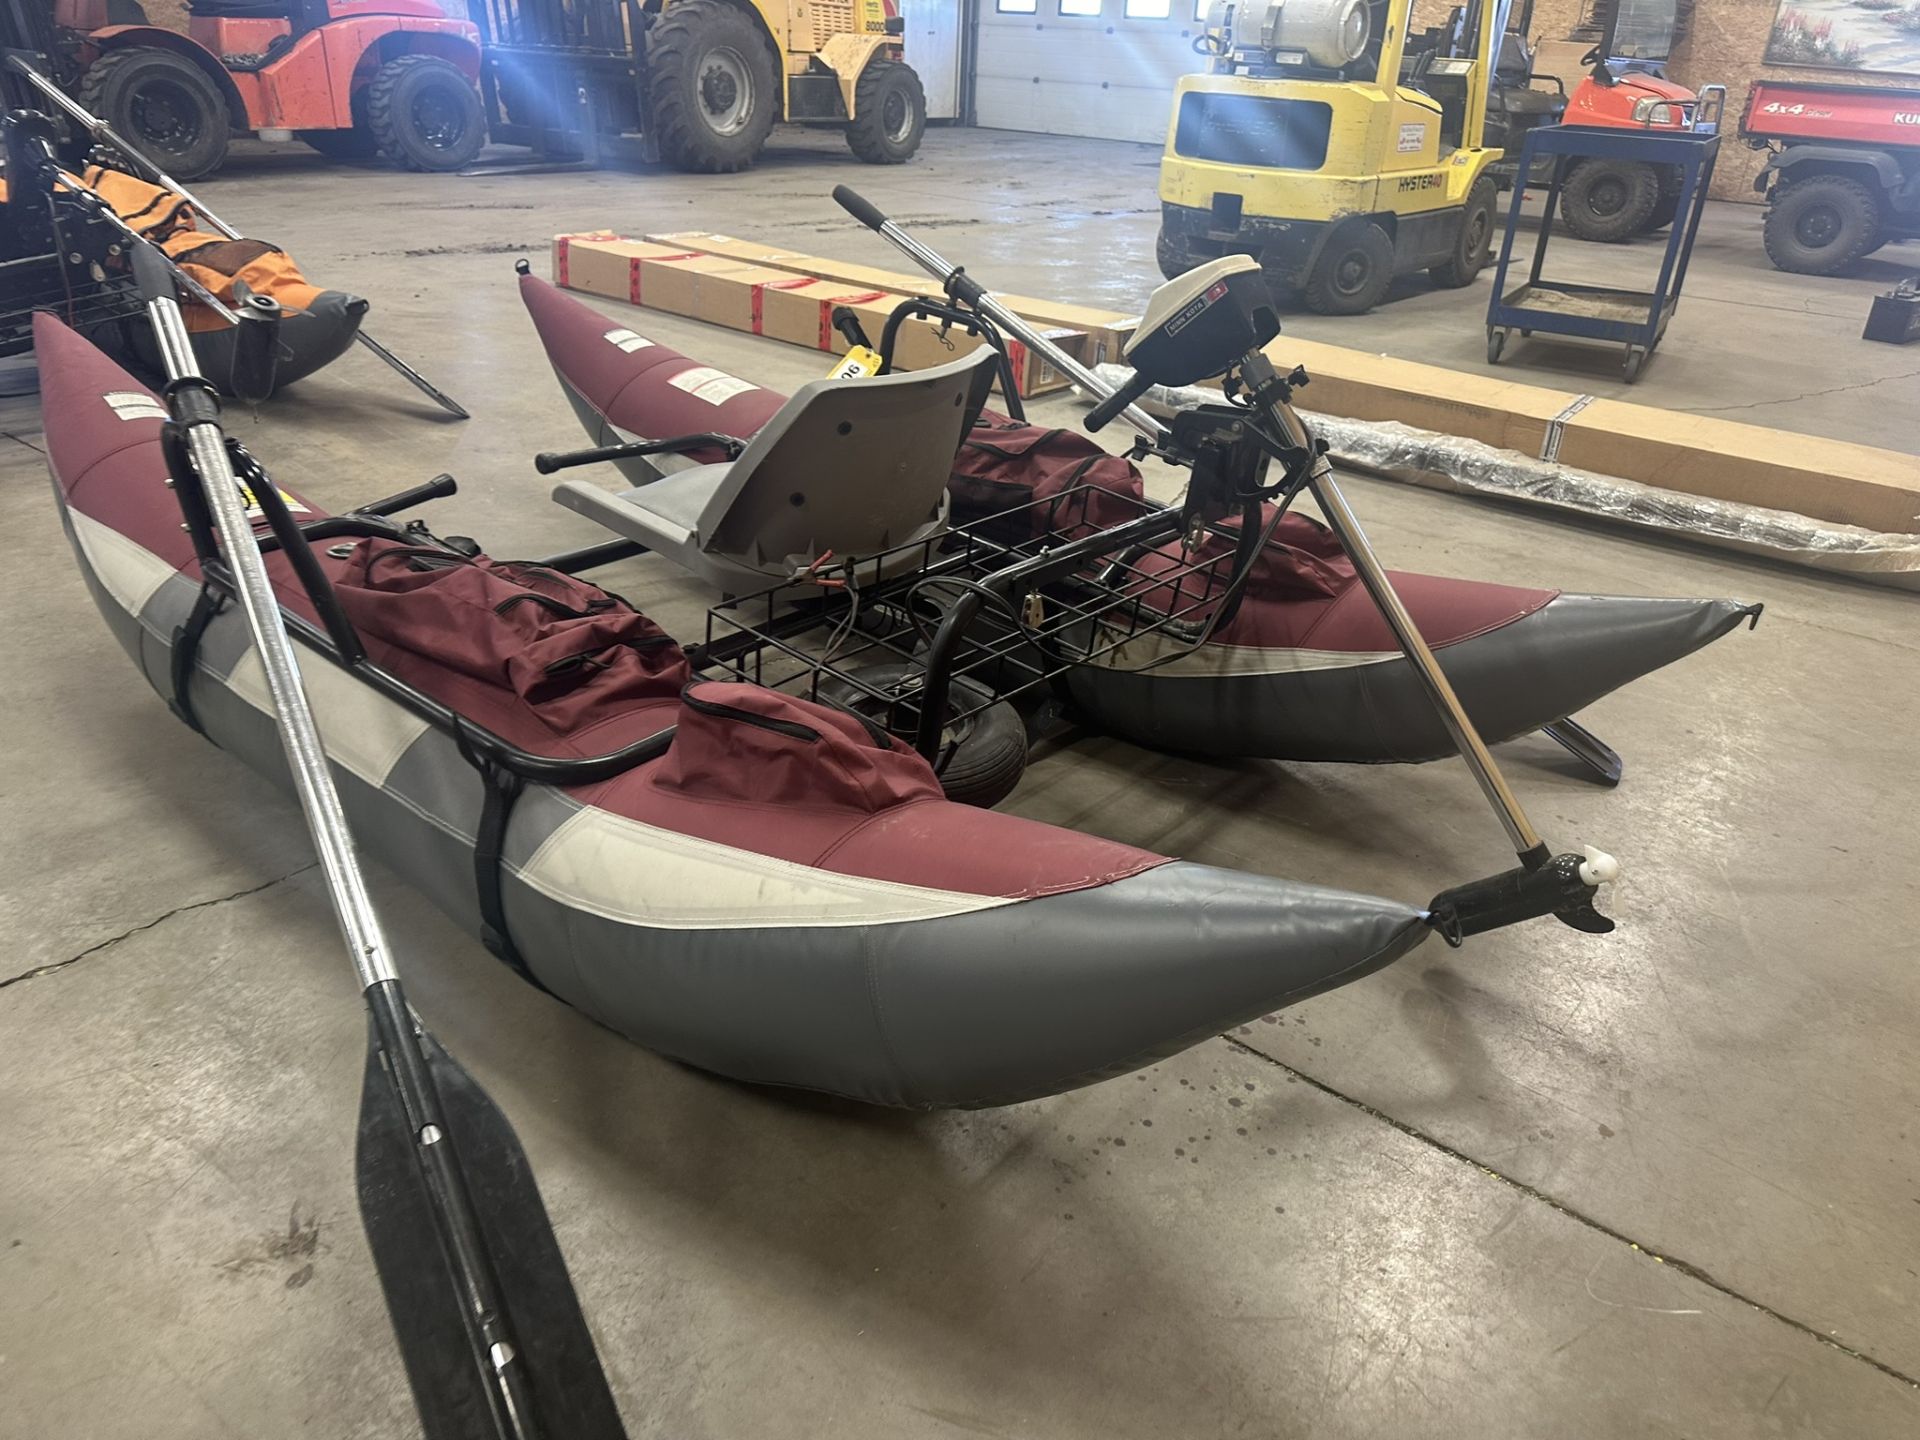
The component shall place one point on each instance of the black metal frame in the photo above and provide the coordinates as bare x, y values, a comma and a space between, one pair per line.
570, 64
58, 252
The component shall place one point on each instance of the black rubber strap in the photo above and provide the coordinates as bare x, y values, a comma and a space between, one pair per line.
186, 653
502, 788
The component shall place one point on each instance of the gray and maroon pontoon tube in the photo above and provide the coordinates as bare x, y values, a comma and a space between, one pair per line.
1305, 670
783, 896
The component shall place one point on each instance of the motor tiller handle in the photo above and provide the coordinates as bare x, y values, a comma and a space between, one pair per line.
1120, 400
848, 324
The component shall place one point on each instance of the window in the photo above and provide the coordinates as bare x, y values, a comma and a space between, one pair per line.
1016, 7
1081, 7
1148, 9
1200, 11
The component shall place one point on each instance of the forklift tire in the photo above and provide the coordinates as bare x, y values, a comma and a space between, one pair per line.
711, 78
1609, 200
1353, 272
1821, 225
1173, 258
889, 114
425, 113
164, 104
1475, 240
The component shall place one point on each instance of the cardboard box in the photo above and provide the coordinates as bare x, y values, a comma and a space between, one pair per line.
1106, 331
1695, 454
765, 300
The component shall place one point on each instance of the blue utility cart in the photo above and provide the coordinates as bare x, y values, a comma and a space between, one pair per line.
1633, 318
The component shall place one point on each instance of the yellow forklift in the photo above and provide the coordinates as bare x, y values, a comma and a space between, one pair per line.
1338, 153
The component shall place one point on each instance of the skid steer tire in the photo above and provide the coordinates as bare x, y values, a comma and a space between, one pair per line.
1475, 240
1609, 201
1821, 225
889, 114
164, 104
1353, 272
425, 113
711, 78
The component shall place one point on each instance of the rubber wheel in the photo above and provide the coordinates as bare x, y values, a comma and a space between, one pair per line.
1821, 225
1668, 203
1636, 361
889, 114
1475, 240
1609, 200
164, 104
1173, 257
1353, 272
982, 763
710, 73
425, 113
1496, 342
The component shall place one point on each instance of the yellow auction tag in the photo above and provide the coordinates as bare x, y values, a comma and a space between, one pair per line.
856, 364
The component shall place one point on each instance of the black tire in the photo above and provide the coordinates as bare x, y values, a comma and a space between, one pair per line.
711, 77
165, 105
1609, 200
889, 114
1172, 256
1353, 272
1475, 240
983, 763
1821, 225
1668, 203
425, 113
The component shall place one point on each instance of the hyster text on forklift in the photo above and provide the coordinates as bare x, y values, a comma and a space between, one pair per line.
1844, 175
1337, 153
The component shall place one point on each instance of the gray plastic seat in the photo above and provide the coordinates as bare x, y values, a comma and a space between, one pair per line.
851, 466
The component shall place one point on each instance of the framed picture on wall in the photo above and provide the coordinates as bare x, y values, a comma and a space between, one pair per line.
1871, 36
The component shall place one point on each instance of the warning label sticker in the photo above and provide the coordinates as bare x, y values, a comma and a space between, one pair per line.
627, 340
1412, 138
715, 387
132, 405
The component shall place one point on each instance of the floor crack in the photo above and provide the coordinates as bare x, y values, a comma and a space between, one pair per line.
112, 940
1796, 399
1532, 1192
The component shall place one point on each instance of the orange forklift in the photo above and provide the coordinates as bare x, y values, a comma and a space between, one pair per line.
354, 79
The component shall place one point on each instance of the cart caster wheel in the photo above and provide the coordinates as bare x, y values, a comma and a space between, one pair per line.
1496, 342
1526, 334
1636, 362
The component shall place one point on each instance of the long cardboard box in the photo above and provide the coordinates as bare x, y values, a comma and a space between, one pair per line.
764, 300
1106, 330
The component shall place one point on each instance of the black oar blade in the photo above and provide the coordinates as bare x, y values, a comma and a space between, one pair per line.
570, 1392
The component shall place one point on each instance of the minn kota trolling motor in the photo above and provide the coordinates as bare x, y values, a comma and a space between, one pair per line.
1215, 321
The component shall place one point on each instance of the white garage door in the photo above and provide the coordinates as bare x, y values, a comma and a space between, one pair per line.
1104, 68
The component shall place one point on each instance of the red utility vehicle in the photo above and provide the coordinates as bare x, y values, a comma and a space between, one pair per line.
1844, 176
1626, 88
352, 78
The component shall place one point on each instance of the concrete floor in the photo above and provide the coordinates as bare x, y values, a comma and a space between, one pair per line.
1660, 1184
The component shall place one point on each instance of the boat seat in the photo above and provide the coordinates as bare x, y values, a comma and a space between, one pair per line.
849, 466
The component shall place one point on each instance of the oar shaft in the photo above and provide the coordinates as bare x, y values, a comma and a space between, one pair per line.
299, 735
475, 1278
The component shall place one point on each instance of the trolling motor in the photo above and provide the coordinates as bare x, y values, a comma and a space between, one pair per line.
1216, 321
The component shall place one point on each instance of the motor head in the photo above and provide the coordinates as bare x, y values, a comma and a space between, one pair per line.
1197, 326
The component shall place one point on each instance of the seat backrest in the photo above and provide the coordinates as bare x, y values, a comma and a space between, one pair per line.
852, 466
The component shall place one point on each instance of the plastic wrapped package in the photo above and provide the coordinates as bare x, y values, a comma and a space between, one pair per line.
1446, 462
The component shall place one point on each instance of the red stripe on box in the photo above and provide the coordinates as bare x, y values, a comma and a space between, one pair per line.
560, 258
